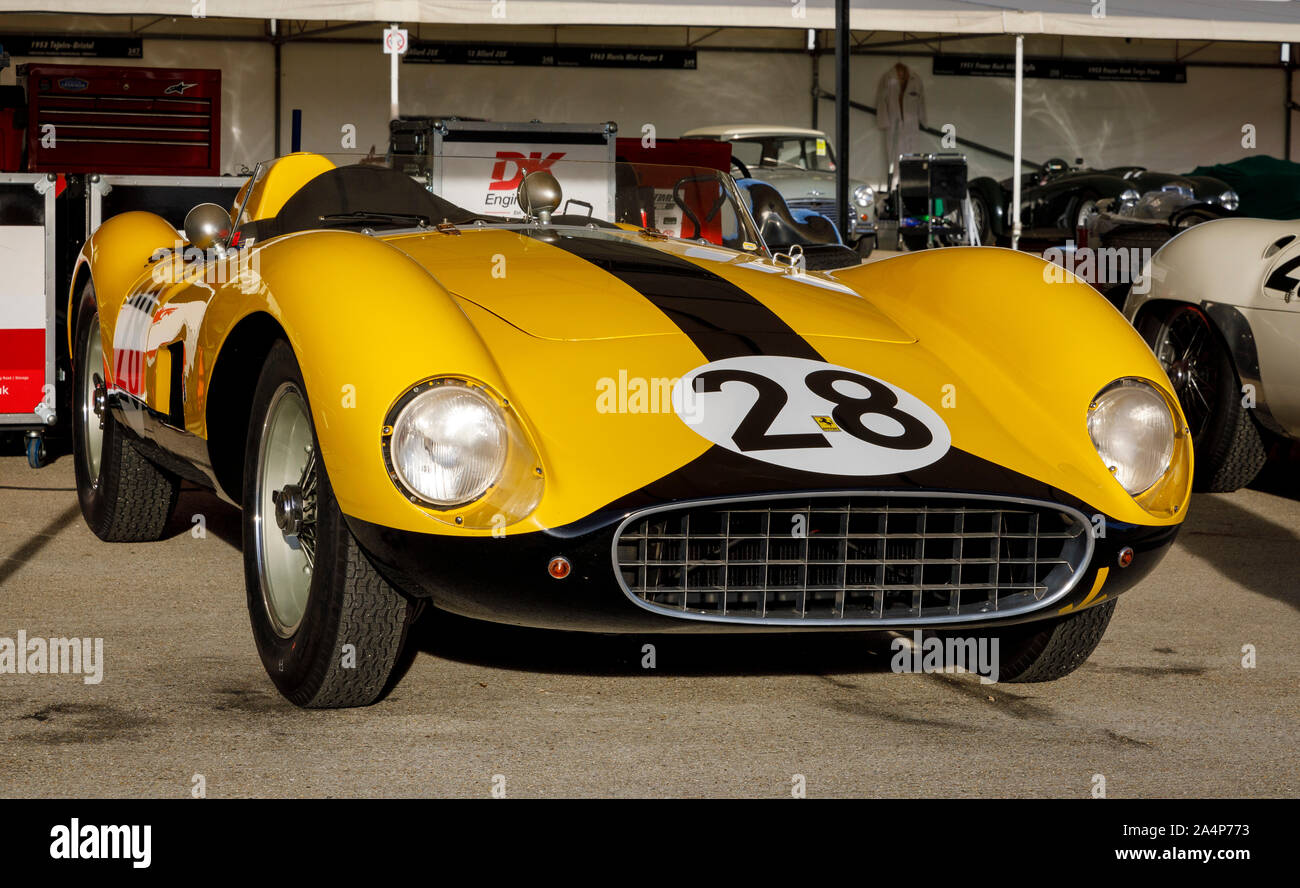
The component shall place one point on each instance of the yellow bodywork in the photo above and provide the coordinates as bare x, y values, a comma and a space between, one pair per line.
1007, 359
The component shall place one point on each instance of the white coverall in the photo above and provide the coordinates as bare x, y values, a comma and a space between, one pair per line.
901, 120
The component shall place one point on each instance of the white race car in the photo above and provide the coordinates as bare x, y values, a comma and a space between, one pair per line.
1218, 306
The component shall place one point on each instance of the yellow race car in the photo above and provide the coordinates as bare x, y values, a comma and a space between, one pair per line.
568, 418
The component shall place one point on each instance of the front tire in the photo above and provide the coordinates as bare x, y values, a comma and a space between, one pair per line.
329, 629
1032, 655
1228, 445
124, 497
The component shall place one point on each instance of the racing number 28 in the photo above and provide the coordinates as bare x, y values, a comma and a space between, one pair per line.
754, 431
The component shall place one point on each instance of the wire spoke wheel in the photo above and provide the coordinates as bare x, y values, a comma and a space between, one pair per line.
1184, 345
285, 521
1086, 214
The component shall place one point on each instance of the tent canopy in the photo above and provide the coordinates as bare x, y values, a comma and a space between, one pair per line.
1250, 20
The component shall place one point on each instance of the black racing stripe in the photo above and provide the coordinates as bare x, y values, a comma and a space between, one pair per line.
720, 318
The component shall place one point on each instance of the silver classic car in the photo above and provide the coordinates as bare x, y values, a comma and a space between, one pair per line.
800, 164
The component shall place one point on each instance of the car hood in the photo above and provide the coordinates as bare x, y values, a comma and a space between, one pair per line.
589, 337
800, 184
579, 284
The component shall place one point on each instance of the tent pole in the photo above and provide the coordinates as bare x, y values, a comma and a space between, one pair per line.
275, 42
393, 110
815, 55
1287, 70
1017, 138
842, 117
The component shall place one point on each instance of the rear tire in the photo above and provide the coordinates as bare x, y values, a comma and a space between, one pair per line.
329, 629
1055, 651
124, 497
1228, 444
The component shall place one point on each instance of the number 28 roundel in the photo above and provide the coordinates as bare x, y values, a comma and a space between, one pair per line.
810, 415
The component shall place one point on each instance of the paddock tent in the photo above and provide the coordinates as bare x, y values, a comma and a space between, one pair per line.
1261, 20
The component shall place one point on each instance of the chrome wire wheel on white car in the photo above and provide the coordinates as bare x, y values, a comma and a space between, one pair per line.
124, 497
1227, 443
285, 520
329, 629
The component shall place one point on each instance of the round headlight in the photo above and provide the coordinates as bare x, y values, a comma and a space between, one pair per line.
1133, 430
863, 196
449, 444
1130, 197
1229, 200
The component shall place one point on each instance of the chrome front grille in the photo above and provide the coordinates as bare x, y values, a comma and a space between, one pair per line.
818, 205
851, 558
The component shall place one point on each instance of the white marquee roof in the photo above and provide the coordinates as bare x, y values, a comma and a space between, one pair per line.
1252, 20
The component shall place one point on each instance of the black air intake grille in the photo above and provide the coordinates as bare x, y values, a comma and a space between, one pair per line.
851, 558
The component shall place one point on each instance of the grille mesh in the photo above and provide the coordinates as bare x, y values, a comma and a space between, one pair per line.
850, 558
817, 204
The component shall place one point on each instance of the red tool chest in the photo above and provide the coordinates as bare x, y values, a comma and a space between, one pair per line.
122, 120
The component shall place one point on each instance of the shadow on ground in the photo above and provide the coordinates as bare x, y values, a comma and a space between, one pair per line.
218, 517
544, 650
1260, 554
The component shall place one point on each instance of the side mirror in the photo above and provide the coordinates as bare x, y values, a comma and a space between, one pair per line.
539, 195
207, 226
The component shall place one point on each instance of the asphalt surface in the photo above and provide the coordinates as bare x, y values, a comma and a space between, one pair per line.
1163, 708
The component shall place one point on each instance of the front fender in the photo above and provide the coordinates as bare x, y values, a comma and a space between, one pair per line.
116, 256
366, 323
1029, 346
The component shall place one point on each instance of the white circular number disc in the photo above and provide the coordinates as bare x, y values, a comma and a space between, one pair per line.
825, 446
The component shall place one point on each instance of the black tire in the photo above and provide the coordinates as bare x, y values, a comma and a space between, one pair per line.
915, 239
1056, 650
127, 498
866, 245
1076, 205
983, 219
348, 602
1228, 445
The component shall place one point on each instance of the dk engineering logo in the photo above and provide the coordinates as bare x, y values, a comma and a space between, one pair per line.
502, 188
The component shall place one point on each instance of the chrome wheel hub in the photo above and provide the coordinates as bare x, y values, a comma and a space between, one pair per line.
285, 503
288, 509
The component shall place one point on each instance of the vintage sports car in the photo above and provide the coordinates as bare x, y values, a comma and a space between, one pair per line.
1060, 200
781, 227
800, 164
1218, 306
558, 421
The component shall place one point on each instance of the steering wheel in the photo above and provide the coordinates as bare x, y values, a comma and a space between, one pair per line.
744, 170
690, 214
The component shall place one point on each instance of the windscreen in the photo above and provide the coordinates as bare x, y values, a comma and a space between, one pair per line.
365, 192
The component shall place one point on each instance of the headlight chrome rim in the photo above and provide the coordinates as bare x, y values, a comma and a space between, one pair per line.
864, 196
1119, 388
1230, 200
390, 432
